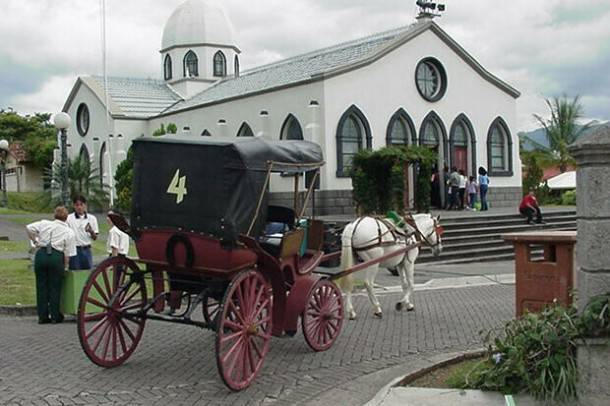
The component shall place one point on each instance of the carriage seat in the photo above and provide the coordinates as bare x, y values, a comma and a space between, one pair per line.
280, 221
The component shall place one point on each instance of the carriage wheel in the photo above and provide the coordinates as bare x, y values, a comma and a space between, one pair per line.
243, 329
210, 308
323, 315
109, 321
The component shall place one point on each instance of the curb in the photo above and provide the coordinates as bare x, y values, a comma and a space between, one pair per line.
443, 361
18, 311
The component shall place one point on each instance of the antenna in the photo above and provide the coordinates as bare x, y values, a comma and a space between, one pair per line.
427, 9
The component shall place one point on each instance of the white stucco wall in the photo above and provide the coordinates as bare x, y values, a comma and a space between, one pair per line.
388, 84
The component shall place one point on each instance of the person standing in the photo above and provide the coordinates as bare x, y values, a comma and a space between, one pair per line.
471, 189
85, 230
454, 184
55, 244
118, 242
483, 188
462, 189
529, 207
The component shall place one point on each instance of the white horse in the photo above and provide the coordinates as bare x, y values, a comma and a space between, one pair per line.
369, 238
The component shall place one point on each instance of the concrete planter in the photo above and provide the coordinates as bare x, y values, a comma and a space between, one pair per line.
593, 356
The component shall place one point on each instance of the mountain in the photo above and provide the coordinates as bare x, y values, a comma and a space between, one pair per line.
539, 137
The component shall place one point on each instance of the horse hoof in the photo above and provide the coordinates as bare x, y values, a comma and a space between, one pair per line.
352, 317
410, 308
399, 306
378, 315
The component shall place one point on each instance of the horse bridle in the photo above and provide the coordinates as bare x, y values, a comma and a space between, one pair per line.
411, 221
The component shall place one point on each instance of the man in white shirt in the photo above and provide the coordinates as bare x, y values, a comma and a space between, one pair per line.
118, 242
55, 243
85, 230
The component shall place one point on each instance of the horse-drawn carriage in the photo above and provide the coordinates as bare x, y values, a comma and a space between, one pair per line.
198, 220
205, 235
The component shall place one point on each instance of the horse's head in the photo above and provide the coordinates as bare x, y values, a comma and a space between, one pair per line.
437, 245
431, 230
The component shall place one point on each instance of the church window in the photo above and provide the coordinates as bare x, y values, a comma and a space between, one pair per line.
291, 130
220, 64
499, 149
236, 65
245, 131
167, 67
430, 79
352, 132
191, 65
400, 129
82, 119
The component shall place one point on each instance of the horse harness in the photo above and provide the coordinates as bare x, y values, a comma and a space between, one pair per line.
378, 241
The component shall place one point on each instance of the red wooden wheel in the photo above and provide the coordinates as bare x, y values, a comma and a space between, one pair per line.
109, 326
244, 329
210, 308
323, 315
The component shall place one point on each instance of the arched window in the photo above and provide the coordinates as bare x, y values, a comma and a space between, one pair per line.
191, 64
400, 129
462, 144
103, 158
245, 131
353, 130
167, 67
499, 149
206, 133
220, 64
236, 65
432, 134
84, 155
291, 129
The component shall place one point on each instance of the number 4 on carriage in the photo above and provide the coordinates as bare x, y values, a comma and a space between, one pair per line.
177, 186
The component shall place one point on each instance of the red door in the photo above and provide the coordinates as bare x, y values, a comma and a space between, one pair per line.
461, 158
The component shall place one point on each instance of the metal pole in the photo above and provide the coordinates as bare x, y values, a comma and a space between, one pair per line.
65, 193
3, 158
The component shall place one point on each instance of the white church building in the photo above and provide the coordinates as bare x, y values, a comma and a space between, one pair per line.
411, 85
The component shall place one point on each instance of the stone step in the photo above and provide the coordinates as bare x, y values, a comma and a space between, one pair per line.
496, 230
468, 217
500, 223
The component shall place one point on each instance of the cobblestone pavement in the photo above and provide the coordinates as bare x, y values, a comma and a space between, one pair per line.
174, 364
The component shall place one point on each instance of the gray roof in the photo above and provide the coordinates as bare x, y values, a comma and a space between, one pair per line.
293, 70
140, 98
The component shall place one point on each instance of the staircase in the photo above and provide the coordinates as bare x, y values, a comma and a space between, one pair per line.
476, 237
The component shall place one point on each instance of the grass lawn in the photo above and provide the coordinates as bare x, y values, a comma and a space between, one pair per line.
451, 376
17, 282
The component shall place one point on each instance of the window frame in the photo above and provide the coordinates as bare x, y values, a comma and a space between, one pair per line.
82, 109
505, 131
245, 130
167, 67
465, 121
223, 60
401, 115
365, 139
442, 141
185, 62
438, 66
236, 65
286, 127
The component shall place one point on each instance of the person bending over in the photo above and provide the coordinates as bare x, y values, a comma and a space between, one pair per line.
529, 207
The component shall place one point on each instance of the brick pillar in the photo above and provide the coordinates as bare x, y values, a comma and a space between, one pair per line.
592, 154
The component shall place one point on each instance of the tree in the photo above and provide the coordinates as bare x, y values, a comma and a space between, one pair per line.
36, 132
170, 129
562, 129
123, 182
82, 180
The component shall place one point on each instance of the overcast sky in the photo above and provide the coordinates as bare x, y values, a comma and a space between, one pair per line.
543, 48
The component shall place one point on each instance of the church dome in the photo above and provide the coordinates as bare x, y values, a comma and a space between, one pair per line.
196, 22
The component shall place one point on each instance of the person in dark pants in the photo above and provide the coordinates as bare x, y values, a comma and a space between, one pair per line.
85, 230
55, 243
529, 207
483, 187
454, 184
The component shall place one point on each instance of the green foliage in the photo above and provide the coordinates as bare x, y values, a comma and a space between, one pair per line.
536, 354
38, 135
82, 180
533, 172
170, 129
568, 198
29, 201
595, 318
123, 183
378, 178
562, 128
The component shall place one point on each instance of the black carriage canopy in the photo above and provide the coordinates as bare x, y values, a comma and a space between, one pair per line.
210, 185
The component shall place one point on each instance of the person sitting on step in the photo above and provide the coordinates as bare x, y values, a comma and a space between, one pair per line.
529, 207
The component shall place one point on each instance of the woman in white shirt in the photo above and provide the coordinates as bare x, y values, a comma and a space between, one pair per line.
55, 244
118, 242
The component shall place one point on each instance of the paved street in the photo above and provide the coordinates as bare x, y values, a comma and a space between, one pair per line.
44, 365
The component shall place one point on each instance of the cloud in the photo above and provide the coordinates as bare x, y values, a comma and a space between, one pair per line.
543, 48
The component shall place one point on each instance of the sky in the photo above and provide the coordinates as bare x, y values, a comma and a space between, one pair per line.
543, 48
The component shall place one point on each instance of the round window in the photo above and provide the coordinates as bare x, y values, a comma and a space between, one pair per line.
82, 119
431, 79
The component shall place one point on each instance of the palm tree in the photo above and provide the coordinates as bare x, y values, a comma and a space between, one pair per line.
562, 129
82, 180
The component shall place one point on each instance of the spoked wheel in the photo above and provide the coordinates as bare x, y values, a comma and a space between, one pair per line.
244, 329
210, 308
323, 315
109, 319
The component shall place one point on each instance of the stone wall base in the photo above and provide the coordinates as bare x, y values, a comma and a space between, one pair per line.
594, 371
341, 202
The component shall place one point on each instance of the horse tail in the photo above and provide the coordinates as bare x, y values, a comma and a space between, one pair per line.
347, 257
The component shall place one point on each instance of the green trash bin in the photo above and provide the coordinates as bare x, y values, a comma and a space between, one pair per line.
71, 289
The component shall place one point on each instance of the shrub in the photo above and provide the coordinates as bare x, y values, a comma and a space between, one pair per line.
124, 181
595, 318
568, 198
